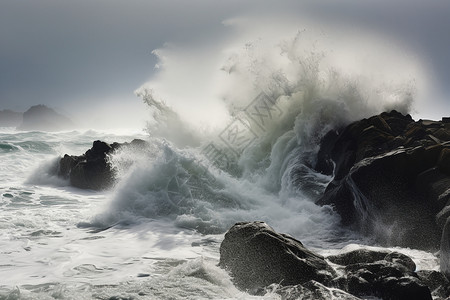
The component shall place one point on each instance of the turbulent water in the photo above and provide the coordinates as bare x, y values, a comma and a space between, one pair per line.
156, 233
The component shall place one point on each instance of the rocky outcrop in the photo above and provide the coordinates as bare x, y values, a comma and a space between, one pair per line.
445, 250
388, 275
92, 170
256, 256
385, 280
436, 282
261, 260
43, 118
360, 256
391, 178
312, 290
9, 118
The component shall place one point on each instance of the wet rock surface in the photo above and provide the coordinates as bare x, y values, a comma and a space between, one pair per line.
262, 261
92, 169
257, 257
392, 178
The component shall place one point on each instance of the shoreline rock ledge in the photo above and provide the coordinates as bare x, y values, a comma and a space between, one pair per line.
262, 261
392, 180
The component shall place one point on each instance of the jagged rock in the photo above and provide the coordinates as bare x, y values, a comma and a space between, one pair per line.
391, 178
443, 216
256, 256
437, 283
445, 249
324, 162
404, 288
261, 261
401, 259
313, 290
92, 170
41, 117
386, 280
364, 256
377, 194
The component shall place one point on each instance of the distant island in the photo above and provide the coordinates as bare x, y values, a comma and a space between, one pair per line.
38, 117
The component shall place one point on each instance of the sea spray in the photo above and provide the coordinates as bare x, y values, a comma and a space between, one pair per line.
294, 105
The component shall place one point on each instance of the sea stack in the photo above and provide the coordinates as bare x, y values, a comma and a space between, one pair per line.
43, 118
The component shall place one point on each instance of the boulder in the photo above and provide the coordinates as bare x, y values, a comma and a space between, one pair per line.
389, 275
378, 196
402, 260
92, 170
256, 256
262, 261
366, 256
403, 288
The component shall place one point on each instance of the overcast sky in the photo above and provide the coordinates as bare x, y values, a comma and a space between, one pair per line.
84, 56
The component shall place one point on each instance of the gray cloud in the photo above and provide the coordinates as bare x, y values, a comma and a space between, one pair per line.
68, 53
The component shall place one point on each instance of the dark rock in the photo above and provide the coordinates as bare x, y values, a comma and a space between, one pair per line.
436, 282
415, 131
392, 178
261, 261
444, 161
9, 118
379, 269
445, 249
386, 280
368, 137
434, 185
401, 259
404, 288
377, 194
357, 256
256, 257
442, 216
92, 170
66, 164
430, 123
442, 134
325, 164
312, 290
41, 117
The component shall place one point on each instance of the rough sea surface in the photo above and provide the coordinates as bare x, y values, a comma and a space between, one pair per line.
156, 233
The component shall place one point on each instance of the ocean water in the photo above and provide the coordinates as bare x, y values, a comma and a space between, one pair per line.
156, 234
